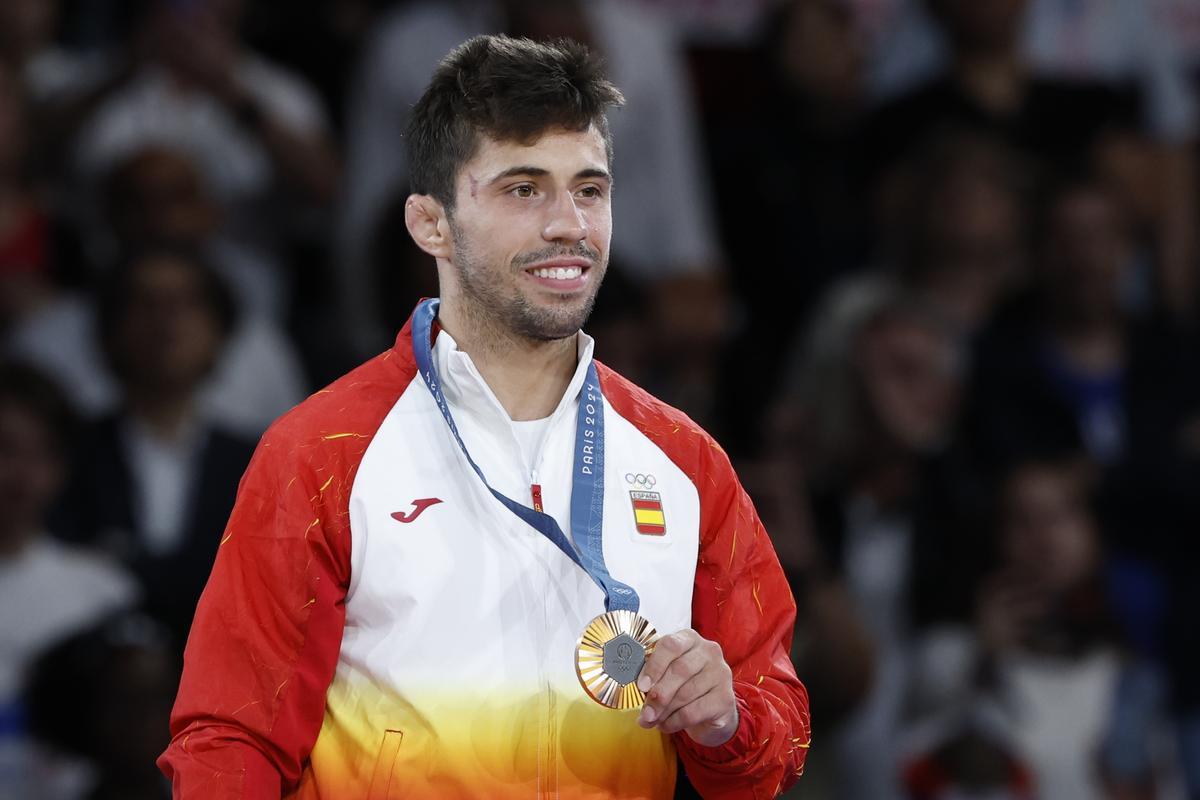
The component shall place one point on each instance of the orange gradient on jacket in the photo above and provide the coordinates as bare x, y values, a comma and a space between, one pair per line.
443, 745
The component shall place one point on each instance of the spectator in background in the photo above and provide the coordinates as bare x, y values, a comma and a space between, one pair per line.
28, 48
48, 73
321, 41
1092, 85
666, 241
32, 44
157, 199
47, 590
1119, 42
789, 202
1123, 42
878, 400
254, 130
987, 86
1073, 372
26, 29
104, 695
1042, 661
24, 225
158, 195
977, 761
1077, 371
956, 228
37, 252
154, 483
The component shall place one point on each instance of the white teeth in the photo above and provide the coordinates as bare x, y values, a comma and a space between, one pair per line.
559, 273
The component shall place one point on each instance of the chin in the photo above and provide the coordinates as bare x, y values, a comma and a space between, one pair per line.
553, 333
550, 324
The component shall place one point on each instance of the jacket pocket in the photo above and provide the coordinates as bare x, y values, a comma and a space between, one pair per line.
385, 765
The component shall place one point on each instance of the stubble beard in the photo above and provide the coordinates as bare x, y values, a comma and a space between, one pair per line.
495, 305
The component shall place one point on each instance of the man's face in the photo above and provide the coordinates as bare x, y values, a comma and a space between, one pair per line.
910, 373
169, 336
1086, 255
1049, 534
531, 228
162, 200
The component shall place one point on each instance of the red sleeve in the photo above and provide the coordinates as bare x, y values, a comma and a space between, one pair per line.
740, 600
268, 629
265, 639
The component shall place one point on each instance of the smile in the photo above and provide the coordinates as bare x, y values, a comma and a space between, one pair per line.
557, 273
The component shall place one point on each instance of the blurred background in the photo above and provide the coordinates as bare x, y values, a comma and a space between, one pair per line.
927, 268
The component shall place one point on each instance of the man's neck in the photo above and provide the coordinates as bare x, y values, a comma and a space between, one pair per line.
527, 376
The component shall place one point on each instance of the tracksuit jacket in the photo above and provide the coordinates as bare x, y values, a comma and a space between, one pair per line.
378, 626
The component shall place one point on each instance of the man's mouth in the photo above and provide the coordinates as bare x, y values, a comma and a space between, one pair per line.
565, 273
558, 273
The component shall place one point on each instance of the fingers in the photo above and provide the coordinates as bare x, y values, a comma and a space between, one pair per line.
687, 678
711, 714
687, 684
666, 650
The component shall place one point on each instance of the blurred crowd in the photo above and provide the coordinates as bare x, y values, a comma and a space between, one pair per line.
929, 270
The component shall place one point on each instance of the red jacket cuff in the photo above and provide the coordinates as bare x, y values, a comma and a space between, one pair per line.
733, 752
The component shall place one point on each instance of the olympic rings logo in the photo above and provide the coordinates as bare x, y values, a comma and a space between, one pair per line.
640, 480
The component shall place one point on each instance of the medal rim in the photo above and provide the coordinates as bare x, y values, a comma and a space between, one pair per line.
619, 622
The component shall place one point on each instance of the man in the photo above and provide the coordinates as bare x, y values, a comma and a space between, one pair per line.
154, 479
667, 248
384, 620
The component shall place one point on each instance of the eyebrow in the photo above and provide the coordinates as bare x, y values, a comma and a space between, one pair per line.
512, 172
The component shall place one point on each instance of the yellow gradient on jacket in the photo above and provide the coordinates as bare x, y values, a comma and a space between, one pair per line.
442, 745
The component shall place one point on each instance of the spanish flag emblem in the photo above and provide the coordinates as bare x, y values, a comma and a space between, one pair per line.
648, 513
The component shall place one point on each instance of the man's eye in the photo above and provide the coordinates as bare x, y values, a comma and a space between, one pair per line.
590, 191
524, 190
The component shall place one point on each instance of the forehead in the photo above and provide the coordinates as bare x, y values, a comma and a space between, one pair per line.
557, 151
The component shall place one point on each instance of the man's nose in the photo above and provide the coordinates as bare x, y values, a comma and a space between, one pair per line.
566, 221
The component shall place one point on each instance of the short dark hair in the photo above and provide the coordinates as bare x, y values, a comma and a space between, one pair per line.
511, 90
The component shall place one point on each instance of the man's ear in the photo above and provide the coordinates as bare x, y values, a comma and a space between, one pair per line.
428, 224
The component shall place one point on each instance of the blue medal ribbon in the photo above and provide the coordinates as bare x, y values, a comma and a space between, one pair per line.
587, 488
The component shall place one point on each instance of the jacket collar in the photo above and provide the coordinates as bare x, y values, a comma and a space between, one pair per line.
465, 388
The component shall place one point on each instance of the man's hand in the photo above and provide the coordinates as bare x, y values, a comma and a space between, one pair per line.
689, 687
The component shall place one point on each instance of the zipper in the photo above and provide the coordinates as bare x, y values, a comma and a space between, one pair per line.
547, 788
547, 746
